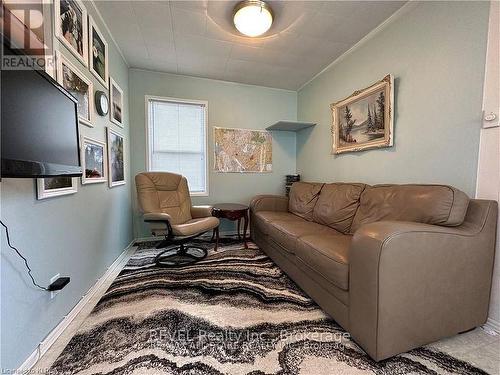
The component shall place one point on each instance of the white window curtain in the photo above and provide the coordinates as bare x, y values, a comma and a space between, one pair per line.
177, 140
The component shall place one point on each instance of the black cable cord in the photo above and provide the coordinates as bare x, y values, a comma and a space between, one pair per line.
19, 253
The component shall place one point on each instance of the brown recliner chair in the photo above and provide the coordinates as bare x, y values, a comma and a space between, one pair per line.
166, 204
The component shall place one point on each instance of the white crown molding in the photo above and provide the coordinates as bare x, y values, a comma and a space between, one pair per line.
49, 340
410, 5
101, 18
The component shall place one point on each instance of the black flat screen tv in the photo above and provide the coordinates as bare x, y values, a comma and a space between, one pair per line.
39, 126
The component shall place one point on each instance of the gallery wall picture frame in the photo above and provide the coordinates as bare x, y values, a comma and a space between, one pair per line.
116, 102
79, 86
116, 158
51, 66
94, 161
365, 119
98, 54
50, 40
71, 27
55, 186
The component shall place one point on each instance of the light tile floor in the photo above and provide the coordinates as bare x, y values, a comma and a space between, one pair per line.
477, 347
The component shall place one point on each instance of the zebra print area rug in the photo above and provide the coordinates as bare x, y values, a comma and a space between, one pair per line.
233, 313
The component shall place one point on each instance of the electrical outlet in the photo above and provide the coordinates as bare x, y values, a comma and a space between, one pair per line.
55, 292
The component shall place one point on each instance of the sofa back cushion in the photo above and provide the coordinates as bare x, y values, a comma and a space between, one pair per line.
303, 198
337, 204
430, 204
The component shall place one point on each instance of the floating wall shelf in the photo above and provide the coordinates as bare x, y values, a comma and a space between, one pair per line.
291, 126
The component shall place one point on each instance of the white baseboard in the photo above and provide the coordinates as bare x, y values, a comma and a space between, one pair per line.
65, 322
492, 325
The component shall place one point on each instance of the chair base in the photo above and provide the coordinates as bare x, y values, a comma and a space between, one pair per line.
179, 256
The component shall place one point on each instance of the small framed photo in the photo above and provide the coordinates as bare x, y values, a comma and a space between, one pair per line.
79, 86
116, 95
98, 54
94, 161
116, 158
70, 27
51, 65
55, 186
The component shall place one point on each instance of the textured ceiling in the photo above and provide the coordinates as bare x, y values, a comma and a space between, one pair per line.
197, 38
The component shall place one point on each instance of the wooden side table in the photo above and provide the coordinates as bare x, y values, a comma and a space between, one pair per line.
233, 212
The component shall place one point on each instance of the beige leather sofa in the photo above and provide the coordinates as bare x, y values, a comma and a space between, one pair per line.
398, 266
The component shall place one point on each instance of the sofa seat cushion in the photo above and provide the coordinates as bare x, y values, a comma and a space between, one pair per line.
269, 216
285, 233
328, 255
261, 219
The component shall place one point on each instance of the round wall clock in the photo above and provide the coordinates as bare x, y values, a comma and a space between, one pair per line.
101, 103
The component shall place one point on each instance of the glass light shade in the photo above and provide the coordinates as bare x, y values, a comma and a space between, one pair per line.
252, 18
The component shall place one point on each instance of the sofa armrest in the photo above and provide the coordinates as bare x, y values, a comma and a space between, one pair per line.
411, 284
157, 216
201, 211
269, 203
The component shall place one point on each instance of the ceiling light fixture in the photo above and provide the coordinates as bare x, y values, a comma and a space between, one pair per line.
252, 17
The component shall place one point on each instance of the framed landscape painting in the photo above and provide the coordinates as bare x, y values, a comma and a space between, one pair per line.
55, 186
79, 86
116, 158
70, 27
98, 54
93, 161
116, 95
364, 120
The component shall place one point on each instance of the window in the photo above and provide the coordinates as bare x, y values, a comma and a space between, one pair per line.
177, 140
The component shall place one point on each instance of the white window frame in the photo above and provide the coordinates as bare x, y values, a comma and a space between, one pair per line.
204, 103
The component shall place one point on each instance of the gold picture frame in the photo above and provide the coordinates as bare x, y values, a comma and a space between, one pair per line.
365, 119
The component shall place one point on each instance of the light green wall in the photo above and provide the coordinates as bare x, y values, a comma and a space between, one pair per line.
77, 235
436, 52
229, 105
